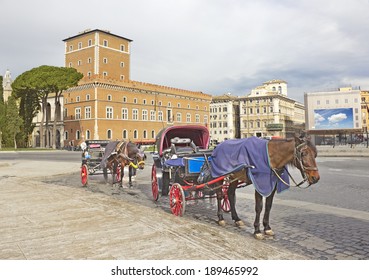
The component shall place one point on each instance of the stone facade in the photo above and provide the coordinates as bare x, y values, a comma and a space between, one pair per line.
107, 104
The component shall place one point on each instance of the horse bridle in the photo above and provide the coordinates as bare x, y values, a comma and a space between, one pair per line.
298, 160
122, 151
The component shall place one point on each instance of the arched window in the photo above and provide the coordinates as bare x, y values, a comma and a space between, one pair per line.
145, 134
78, 135
135, 134
88, 134
125, 134
109, 134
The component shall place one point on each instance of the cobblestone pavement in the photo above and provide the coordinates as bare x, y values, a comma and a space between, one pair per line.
303, 230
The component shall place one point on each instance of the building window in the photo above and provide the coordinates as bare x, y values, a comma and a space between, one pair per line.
80, 45
197, 118
144, 115
66, 135
122, 48
122, 77
145, 134
88, 112
105, 60
89, 60
70, 48
109, 134
78, 135
79, 62
179, 117
135, 114
70, 64
105, 74
135, 100
89, 74
88, 134
87, 97
109, 112
144, 101
160, 116
135, 134
169, 115
124, 99
78, 99
89, 42
78, 113
125, 134
105, 43
122, 64
152, 133
124, 114
188, 117
109, 97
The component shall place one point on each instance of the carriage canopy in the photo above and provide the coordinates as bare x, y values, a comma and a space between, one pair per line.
197, 133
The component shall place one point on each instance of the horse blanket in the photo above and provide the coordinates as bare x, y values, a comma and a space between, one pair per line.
109, 149
231, 154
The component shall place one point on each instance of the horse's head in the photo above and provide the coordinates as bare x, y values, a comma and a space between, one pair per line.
305, 154
136, 156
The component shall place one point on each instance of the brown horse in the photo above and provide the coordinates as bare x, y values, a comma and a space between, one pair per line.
119, 154
296, 152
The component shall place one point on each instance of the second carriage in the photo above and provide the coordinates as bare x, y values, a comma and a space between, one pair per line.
181, 165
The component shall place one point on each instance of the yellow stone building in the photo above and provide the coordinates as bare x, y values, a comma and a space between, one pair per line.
365, 111
107, 104
268, 112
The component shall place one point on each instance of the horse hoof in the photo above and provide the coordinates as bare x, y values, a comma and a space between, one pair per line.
259, 236
269, 232
239, 223
222, 223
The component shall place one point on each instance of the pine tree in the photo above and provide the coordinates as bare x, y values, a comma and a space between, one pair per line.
13, 120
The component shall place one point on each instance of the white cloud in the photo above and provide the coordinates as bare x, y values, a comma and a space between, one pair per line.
337, 118
214, 46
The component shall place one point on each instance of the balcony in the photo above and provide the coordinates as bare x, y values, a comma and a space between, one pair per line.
274, 127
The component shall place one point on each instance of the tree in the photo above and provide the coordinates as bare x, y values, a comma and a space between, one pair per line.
2, 112
43, 81
13, 120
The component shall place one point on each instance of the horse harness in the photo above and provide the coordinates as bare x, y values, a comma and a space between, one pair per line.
298, 160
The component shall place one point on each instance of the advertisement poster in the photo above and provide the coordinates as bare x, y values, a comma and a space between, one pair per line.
338, 118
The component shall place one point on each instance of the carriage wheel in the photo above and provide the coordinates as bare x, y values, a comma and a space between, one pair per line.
225, 204
154, 184
118, 173
84, 175
177, 200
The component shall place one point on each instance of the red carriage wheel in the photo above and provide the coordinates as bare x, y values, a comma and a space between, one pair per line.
225, 204
118, 173
177, 200
154, 184
84, 175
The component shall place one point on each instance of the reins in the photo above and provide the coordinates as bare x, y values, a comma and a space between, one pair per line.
298, 159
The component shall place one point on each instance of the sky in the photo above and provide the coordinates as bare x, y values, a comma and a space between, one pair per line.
213, 46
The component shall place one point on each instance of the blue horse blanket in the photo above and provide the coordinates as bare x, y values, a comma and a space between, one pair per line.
231, 154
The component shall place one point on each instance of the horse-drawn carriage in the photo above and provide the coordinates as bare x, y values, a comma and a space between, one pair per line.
182, 168
104, 156
183, 159
92, 154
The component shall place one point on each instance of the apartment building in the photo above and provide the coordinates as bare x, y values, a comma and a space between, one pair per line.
224, 118
107, 104
268, 112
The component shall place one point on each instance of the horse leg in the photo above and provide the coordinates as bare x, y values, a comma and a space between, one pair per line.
258, 209
232, 202
130, 174
268, 206
105, 172
219, 193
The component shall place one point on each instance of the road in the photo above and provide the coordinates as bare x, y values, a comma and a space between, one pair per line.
328, 220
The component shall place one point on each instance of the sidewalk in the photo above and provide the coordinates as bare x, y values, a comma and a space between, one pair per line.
343, 151
53, 222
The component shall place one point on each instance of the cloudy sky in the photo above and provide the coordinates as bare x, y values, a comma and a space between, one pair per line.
213, 46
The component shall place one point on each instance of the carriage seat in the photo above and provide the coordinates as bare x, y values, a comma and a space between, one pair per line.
182, 146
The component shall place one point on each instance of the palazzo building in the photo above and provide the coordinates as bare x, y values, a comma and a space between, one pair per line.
268, 112
107, 104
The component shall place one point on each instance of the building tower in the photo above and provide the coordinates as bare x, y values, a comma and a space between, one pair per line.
99, 53
7, 85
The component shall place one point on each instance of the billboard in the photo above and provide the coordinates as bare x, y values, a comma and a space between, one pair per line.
338, 118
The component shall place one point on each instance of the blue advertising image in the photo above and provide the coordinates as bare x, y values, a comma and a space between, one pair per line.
338, 118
